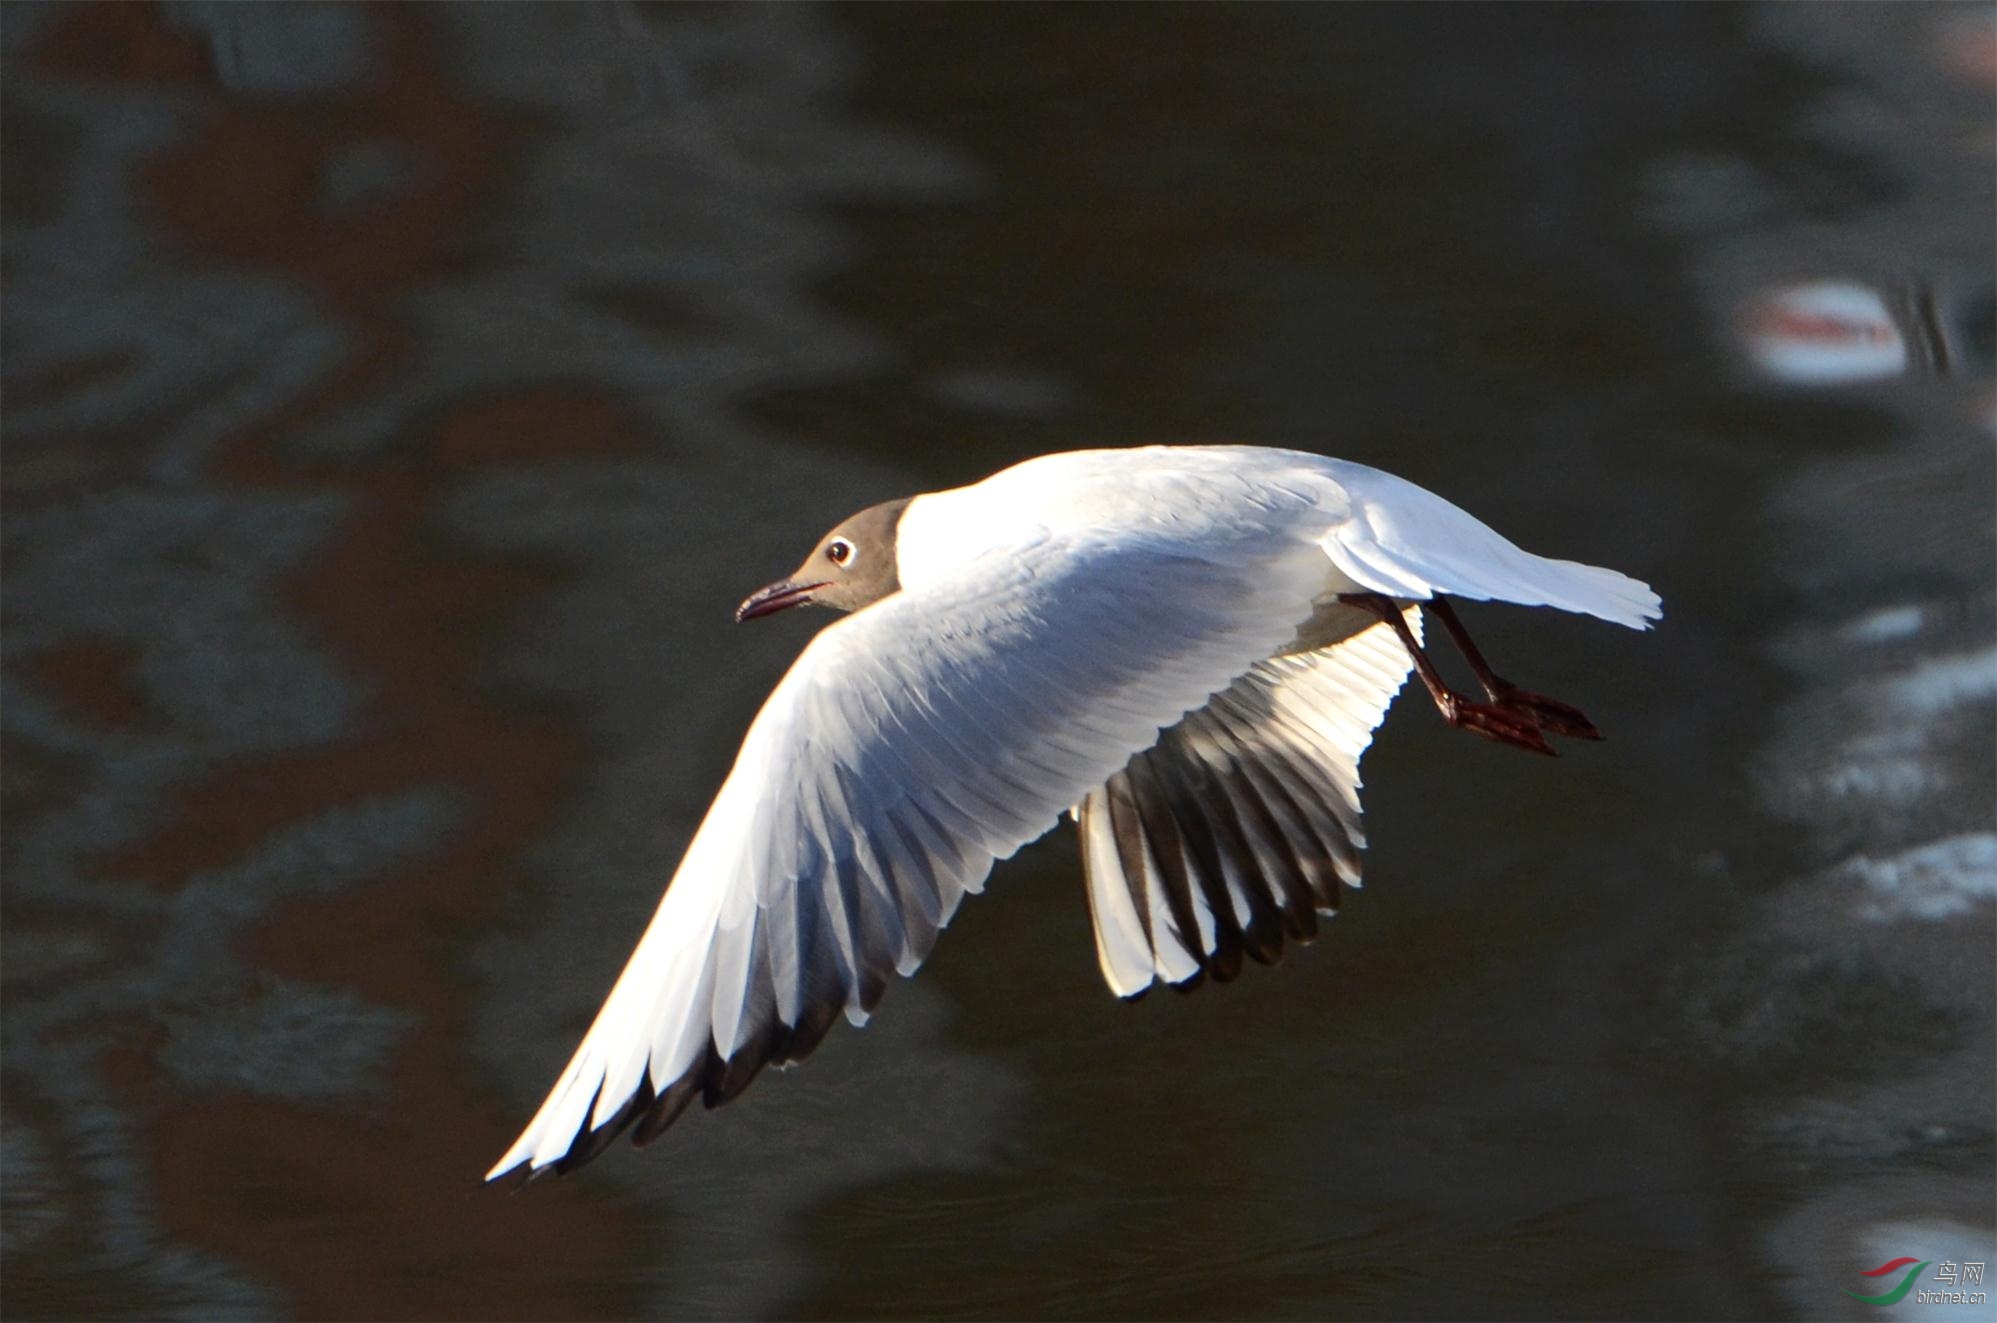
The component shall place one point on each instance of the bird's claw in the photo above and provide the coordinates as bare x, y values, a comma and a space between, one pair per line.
1549, 714
1503, 724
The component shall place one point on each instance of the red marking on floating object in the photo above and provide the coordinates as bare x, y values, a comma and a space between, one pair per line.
1897, 1264
1819, 326
1825, 333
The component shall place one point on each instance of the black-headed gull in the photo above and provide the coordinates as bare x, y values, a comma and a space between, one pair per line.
1187, 647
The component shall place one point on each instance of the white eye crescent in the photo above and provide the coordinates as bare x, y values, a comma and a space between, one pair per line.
839, 551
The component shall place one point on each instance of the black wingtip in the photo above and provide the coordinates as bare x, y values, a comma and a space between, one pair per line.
511, 1181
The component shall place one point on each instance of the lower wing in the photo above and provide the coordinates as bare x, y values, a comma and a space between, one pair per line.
1241, 825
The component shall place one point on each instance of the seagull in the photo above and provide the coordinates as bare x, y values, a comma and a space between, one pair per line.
1187, 648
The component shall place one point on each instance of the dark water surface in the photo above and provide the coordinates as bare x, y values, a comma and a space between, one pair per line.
397, 401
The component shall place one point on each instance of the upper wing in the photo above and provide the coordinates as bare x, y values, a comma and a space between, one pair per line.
910, 746
1407, 542
1236, 830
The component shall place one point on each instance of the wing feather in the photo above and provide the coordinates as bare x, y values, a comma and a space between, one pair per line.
1239, 825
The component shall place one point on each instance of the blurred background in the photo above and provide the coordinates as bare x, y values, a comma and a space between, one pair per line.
398, 400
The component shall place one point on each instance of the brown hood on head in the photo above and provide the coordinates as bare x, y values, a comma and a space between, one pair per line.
853, 566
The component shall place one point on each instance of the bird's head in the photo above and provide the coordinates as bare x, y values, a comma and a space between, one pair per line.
852, 566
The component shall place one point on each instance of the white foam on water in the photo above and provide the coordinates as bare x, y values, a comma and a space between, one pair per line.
1931, 882
1944, 682
1886, 624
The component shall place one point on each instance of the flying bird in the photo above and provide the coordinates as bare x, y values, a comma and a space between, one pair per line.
1186, 647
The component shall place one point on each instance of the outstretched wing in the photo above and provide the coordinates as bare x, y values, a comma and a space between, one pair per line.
911, 746
1239, 827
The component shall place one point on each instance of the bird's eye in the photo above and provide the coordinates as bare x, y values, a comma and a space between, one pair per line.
839, 551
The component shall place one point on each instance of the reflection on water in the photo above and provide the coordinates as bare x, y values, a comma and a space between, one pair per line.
396, 402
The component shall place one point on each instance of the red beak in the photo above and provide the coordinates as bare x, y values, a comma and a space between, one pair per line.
767, 601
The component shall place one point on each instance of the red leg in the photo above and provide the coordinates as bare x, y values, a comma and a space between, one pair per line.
1494, 721
1549, 713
